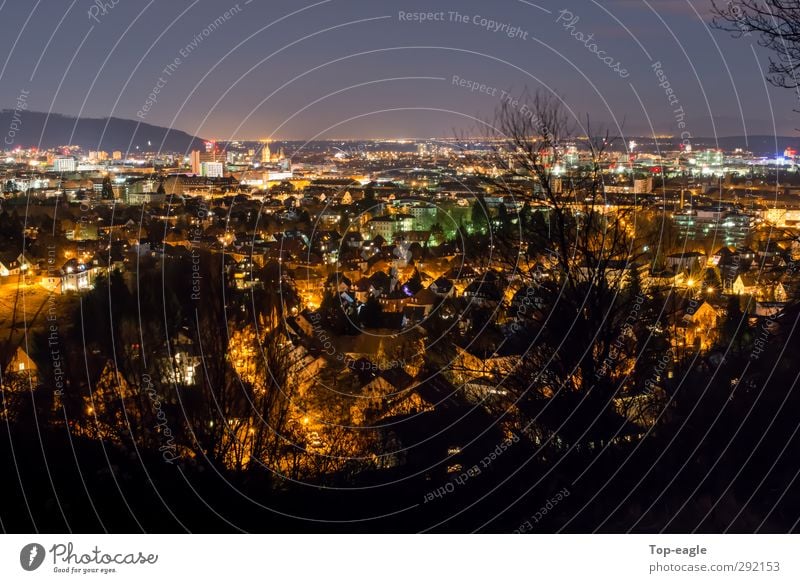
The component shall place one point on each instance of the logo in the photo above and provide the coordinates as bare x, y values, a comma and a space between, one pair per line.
31, 556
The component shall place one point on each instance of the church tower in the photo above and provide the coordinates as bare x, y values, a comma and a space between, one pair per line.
266, 155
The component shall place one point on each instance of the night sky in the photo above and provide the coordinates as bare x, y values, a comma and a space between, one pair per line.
345, 69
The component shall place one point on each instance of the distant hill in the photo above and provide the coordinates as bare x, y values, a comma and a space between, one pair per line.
120, 134
758, 144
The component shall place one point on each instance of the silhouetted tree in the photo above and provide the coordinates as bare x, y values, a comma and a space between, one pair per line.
108, 190
371, 313
776, 24
599, 322
480, 216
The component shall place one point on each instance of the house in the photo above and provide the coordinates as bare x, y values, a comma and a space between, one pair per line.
353, 240
305, 323
527, 302
479, 389
665, 279
387, 386
361, 290
338, 282
780, 293
769, 309
745, 284
77, 276
461, 276
617, 273
689, 261
484, 291
310, 284
723, 256
698, 321
119, 224
426, 299
442, 287
394, 302
21, 364
467, 367
412, 315
746, 254
381, 283
9, 264
769, 250
303, 367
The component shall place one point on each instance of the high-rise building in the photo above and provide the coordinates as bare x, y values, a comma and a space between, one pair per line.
643, 185
212, 169
723, 225
195, 160
199, 158
64, 164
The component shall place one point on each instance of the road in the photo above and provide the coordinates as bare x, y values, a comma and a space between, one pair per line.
24, 306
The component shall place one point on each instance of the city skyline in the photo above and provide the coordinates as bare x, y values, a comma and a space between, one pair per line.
380, 70
378, 267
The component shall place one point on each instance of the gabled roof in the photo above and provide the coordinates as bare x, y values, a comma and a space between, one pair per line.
9, 258
686, 255
363, 285
425, 297
442, 284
